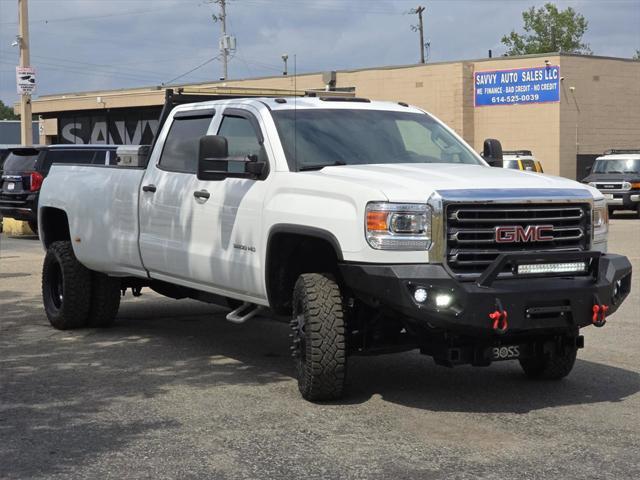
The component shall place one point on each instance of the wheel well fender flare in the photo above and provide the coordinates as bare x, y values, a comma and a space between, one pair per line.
297, 230
54, 225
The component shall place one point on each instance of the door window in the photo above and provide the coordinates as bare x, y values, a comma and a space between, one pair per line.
180, 152
242, 138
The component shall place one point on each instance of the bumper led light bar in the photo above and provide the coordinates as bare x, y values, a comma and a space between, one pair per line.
538, 268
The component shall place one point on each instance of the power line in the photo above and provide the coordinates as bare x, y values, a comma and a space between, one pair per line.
192, 70
93, 17
93, 65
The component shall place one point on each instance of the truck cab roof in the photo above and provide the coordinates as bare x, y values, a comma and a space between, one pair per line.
292, 103
620, 156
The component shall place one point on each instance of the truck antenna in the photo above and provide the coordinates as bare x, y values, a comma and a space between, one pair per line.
295, 108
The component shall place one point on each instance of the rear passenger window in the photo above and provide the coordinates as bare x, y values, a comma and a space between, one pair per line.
180, 152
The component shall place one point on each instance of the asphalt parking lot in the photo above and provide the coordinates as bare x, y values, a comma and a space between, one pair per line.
175, 391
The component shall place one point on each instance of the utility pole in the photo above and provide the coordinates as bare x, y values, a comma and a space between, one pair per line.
419, 28
26, 128
419, 11
227, 42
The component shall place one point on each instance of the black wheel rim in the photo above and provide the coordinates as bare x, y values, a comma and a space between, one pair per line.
56, 288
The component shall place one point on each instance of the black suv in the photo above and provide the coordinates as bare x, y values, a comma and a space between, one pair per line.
25, 168
617, 175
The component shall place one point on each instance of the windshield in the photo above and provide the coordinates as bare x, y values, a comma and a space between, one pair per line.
323, 137
19, 163
617, 166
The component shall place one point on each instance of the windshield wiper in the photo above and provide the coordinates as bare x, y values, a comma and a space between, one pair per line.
614, 171
305, 168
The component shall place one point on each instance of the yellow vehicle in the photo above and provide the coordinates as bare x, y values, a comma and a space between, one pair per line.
521, 160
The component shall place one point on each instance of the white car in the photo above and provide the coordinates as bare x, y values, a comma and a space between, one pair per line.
372, 226
617, 175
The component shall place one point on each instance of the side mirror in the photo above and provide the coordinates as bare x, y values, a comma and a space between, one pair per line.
214, 162
492, 152
588, 170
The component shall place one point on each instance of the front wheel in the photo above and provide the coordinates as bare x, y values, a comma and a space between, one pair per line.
319, 345
542, 367
66, 287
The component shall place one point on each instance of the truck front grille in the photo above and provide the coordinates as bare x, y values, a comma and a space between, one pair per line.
472, 238
610, 186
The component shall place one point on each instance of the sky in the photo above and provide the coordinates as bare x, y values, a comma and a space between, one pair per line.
80, 45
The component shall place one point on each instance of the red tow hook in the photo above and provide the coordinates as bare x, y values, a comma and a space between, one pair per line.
500, 324
599, 314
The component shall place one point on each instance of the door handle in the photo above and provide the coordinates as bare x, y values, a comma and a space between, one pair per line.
149, 188
201, 194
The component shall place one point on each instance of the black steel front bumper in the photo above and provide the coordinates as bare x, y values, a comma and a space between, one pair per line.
534, 305
628, 200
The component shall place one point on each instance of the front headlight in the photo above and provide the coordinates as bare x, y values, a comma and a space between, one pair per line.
593, 184
600, 222
398, 226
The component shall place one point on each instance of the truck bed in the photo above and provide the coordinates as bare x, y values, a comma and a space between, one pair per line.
108, 242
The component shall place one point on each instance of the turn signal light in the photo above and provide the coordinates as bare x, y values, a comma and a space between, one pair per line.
635, 186
36, 181
377, 221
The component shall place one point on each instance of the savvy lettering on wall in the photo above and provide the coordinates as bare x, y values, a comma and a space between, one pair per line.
133, 127
518, 86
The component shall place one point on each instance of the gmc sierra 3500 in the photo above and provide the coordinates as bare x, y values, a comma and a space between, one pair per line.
371, 226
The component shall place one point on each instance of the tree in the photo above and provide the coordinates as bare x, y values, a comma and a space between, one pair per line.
549, 30
6, 113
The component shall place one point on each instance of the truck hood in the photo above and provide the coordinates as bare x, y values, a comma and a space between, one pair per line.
613, 177
410, 182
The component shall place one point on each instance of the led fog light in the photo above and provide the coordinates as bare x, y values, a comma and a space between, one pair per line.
443, 300
420, 295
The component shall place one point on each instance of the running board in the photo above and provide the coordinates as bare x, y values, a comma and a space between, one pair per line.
244, 312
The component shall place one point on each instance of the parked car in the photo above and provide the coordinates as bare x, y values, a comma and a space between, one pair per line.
25, 168
521, 160
515, 160
371, 226
617, 175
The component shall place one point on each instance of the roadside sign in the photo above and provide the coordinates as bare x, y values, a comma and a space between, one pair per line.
517, 86
26, 80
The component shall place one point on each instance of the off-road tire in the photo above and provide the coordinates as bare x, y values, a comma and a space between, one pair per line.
553, 368
319, 345
66, 287
33, 226
105, 300
610, 211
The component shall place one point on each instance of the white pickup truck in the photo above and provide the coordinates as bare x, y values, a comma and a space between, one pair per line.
371, 226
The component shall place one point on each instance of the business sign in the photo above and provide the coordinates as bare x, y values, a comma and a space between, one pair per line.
26, 80
518, 86
132, 126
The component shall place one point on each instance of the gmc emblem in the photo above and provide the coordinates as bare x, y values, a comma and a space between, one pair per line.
530, 233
